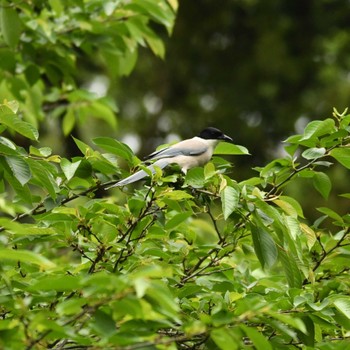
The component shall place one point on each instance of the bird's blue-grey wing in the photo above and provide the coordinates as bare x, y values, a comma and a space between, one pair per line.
184, 148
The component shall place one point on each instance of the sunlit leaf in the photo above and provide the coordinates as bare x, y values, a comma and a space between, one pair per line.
342, 155
229, 200
12, 121
313, 153
231, 149
318, 128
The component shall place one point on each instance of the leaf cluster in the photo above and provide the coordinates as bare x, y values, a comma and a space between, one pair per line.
195, 261
45, 47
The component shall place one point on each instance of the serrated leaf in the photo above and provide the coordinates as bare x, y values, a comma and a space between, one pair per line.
290, 205
19, 168
195, 177
322, 184
264, 246
342, 303
310, 235
229, 200
44, 176
292, 272
25, 256
12, 121
342, 155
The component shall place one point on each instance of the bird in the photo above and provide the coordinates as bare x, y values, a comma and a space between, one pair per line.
187, 154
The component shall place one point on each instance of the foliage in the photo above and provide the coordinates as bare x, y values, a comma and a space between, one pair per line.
199, 261
45, 46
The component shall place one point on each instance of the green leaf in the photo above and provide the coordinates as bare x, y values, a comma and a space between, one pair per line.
68, 121
103, 323
229, 200
40, 152
342, 303
318, 128
20, 169
331, 213
25, 256
195, 177
322, 184
225, 338
44, 176
292, 321
229, 148
10, 25
100, 110
7, 148
25, 229
290, 206
292, 272
342, 155
264, 245
59, 283
12, 121
314, 153
308, 338
258, 340
115, 147
177, 220
69, 169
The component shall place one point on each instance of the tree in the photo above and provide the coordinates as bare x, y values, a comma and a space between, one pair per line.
194, 261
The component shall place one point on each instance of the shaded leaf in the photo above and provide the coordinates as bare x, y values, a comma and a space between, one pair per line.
264, 246
322, 184
10, 25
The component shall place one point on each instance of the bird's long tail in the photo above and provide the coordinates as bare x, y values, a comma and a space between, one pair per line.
161, 163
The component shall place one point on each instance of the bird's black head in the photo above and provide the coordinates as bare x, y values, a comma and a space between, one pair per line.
211, 133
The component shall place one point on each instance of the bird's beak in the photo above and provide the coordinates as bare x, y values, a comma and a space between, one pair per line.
226, 138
